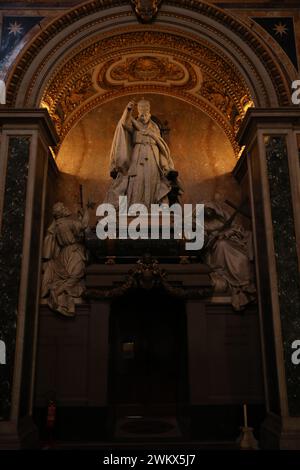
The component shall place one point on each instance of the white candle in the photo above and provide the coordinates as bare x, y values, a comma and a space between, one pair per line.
245, 416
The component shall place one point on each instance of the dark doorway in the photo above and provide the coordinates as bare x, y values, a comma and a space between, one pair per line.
148, 354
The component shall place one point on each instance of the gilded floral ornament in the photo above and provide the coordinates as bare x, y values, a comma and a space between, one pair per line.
148, 275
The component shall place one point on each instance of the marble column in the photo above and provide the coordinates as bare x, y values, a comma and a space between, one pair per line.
271, 145
24, 158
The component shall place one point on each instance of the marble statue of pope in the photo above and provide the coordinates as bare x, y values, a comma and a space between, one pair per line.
141, 164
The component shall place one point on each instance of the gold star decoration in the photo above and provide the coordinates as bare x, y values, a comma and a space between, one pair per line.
15, 28
280, 29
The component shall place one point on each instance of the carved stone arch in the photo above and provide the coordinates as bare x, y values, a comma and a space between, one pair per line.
203, 105
68, 51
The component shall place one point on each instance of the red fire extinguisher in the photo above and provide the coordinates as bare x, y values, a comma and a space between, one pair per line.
50, 423
51, 415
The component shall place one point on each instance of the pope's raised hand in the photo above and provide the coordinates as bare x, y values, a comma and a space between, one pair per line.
130, 105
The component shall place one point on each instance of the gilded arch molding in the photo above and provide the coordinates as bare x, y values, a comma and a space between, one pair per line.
231, 65
139, 61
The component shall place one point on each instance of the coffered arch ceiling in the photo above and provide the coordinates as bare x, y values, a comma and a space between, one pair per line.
193, 51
